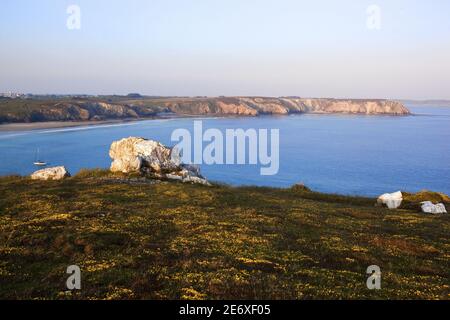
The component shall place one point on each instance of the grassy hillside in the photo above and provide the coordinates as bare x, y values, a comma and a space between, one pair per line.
137, 240
71, 109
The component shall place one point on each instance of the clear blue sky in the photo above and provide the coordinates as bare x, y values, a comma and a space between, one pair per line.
228, 47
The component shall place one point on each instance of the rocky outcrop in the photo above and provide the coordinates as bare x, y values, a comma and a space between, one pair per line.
54, 173
152, 159
391, 200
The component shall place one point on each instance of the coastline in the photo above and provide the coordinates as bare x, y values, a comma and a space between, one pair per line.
30, 114
29, 126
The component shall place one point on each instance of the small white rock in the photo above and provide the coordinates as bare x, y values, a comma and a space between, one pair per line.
429, 207
54, 173
391, 200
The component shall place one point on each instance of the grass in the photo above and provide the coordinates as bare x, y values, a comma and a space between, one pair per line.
70, 109
48, 108
179, 241
413, 200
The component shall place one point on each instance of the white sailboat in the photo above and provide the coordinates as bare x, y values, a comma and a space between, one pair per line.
38, 162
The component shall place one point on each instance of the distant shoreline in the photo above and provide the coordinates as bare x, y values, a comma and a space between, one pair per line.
59, 124
30, 126
75, 110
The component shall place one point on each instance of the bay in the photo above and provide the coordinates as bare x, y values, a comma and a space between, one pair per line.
345, 154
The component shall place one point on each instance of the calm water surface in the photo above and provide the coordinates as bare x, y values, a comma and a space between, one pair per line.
364, 155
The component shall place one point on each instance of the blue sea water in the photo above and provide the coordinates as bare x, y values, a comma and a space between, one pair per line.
346, 154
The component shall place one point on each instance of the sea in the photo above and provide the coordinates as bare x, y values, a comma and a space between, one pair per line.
363, 155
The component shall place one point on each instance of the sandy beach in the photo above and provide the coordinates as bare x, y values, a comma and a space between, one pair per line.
48, 125
61, 124
7, 127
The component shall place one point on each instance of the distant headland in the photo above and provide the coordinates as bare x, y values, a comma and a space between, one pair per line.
48, 108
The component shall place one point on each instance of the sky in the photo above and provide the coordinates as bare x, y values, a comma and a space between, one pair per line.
322, 48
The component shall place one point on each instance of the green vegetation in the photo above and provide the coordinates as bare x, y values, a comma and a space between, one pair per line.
18, 110
40, 109
177, 241
413, 200
71, 108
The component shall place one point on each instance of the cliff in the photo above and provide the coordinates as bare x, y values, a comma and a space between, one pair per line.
258, 105
103, 108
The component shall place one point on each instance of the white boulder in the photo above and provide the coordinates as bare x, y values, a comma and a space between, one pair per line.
429, 207
138, 154
391, 200
54, 173
153, 159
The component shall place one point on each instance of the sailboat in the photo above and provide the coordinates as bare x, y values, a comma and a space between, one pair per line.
38, 162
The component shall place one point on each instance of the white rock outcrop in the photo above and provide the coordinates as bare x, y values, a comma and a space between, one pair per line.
429, 207
138, 154
54, 173
151, 158
391, 200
